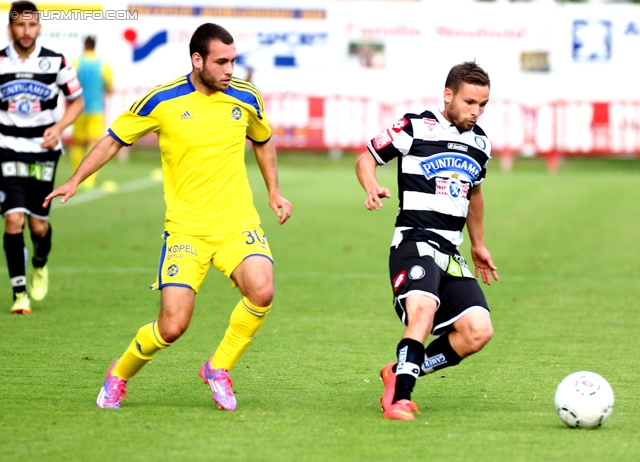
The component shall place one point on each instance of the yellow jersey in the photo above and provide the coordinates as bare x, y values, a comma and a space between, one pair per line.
202, 144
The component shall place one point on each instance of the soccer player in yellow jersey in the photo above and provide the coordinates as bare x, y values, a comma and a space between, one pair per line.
96, 78
202, 121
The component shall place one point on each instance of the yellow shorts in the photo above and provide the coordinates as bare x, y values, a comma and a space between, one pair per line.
88, 127
185, 260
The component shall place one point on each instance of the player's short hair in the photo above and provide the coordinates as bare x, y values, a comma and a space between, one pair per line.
204, 35
467, 72
17, 8
90, 42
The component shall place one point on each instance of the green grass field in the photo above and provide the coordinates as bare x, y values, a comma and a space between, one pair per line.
308, 389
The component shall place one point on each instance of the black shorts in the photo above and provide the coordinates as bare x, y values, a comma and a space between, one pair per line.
414, 272
25, 180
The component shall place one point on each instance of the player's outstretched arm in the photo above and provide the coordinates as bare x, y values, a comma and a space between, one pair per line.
366, 170
475, 226
99, 155
267, 160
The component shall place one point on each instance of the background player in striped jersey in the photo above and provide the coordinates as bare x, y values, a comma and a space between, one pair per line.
442, 157
31, 78
202, 121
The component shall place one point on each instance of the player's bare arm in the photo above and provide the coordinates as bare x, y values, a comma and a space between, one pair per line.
99, 155
475, 226
52, 134
366, 170
266, 157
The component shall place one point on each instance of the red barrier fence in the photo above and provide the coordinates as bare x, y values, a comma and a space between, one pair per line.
552, 130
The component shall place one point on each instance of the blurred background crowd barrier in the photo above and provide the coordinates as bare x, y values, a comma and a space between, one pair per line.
334, 73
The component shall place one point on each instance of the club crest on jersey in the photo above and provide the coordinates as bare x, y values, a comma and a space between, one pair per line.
384, 139
24, 106
399, 125
44, 64
416, 272
172, 270
482, 144
24, 87
451, 187
451, 162
236, 113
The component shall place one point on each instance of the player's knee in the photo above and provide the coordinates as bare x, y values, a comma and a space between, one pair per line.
14, 223
420, 310
479, 336
261, 295
39, 227
172, 331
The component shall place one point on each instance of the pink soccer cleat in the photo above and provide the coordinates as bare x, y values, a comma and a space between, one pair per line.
220, 384
113, 391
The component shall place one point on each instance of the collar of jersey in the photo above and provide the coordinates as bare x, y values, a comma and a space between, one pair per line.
13, 54
443, 121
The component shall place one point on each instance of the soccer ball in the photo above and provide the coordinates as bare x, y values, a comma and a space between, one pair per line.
584, 400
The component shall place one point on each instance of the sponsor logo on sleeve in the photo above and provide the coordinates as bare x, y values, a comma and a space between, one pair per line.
399, 125
73, 85
384, 139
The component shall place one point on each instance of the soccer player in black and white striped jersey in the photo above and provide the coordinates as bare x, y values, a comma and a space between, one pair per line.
442, 157
31, 78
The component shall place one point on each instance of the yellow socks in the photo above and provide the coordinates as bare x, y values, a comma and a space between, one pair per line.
245, 322
76, 154
139, 353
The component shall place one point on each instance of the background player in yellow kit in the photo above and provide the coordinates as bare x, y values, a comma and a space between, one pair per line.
202, 121
96, 78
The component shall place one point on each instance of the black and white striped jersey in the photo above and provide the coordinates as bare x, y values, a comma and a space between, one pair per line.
437, 168
29, 96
